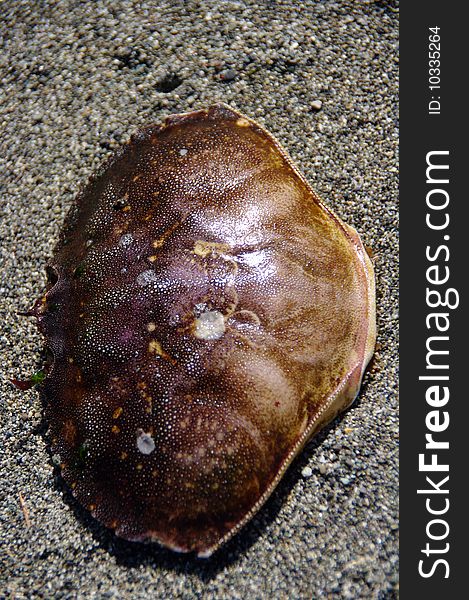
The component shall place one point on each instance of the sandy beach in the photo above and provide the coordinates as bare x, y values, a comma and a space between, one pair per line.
77, 80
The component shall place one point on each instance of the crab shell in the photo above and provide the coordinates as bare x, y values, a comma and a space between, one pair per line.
207, 315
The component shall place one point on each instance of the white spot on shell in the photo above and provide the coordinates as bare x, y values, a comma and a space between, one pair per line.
210, 325
183, 151
126, 240
146, 277
145, 443
254, 259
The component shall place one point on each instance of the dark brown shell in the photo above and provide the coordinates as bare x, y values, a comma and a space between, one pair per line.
207, 315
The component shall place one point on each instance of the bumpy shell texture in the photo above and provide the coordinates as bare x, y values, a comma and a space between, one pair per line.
207, 314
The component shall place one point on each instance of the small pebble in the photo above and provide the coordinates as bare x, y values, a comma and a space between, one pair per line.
228, 75
316, 105
307, 472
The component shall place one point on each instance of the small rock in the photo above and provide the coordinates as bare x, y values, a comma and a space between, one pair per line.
323, 469
316, 105
228, 75
168, 83
307, 472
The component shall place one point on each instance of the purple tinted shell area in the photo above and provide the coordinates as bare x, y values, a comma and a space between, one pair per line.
204, 309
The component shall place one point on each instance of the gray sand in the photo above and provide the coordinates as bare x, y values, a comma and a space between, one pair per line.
79, 78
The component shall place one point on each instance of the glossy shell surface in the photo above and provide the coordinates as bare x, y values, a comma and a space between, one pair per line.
207, 314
